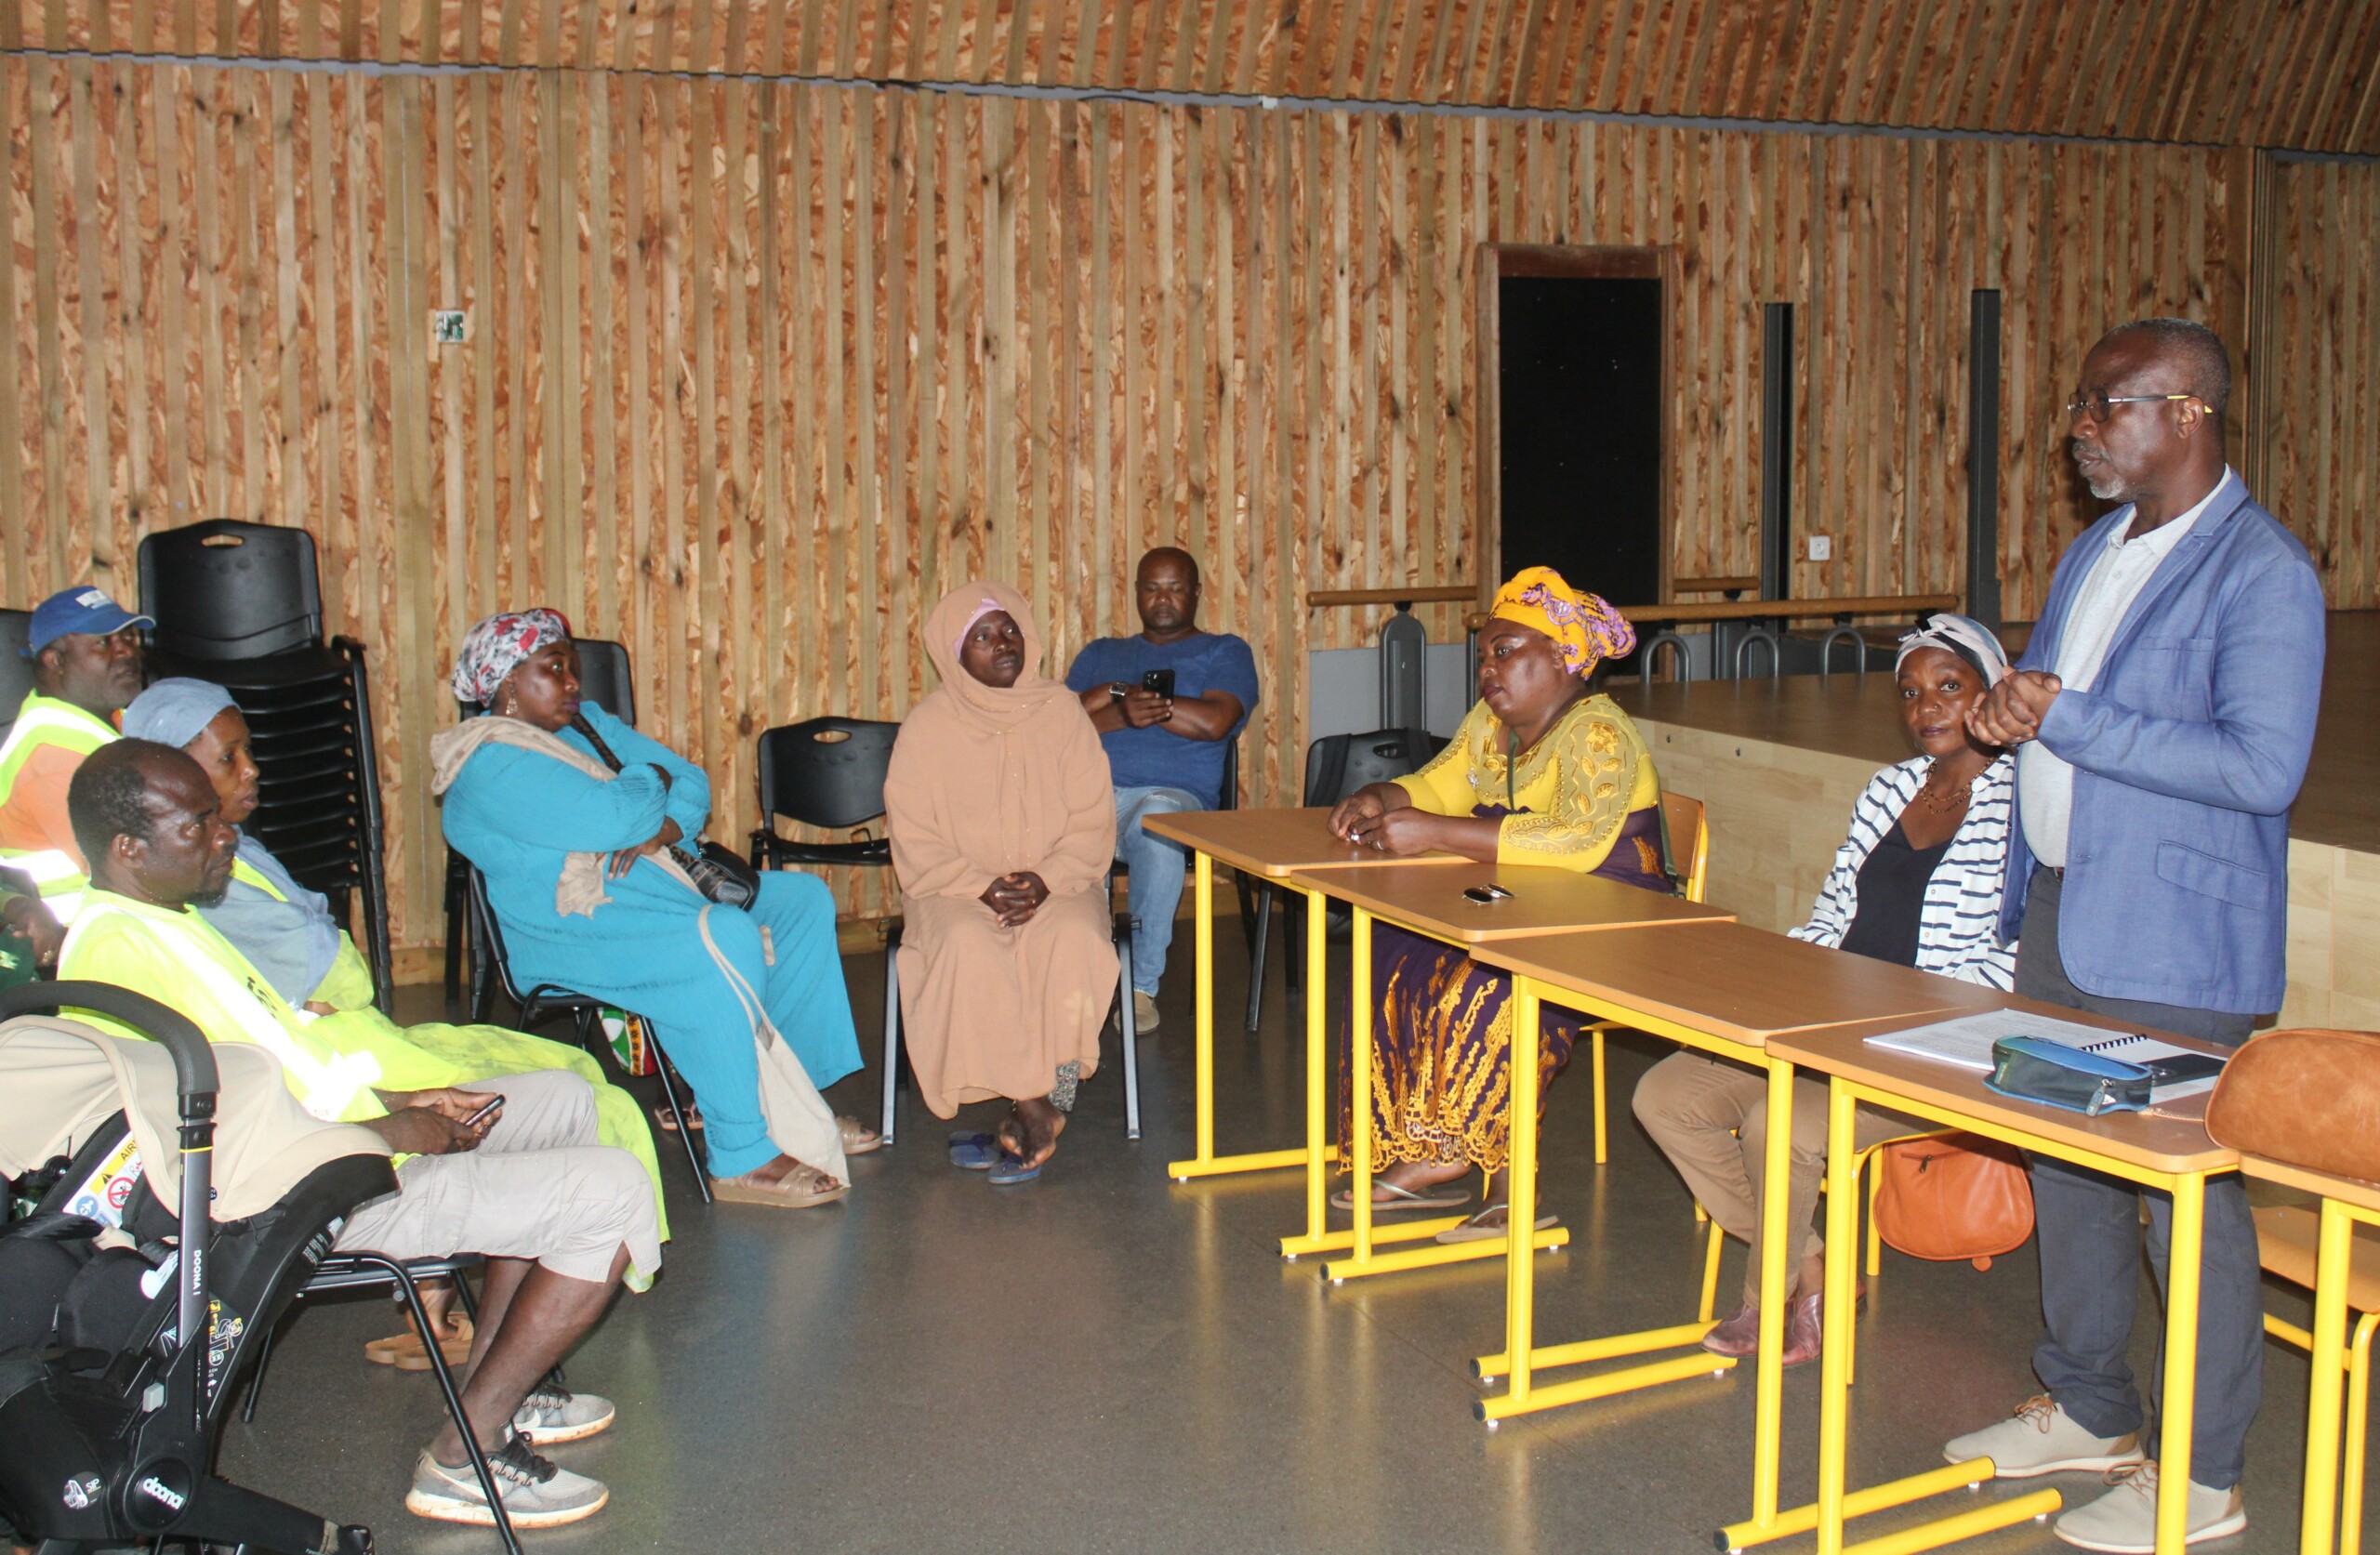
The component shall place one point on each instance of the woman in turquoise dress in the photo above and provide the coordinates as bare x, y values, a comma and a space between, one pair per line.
570, 816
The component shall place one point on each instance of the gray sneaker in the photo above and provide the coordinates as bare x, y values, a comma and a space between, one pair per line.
535, 1493
550, 1416
2042, 1437
2124, 1521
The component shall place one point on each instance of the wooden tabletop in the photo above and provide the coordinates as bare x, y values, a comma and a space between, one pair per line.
2171, 1139
1273, 842
1734, 982
2347, 1190
1428, 897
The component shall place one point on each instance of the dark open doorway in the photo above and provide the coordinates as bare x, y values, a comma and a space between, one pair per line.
1575, 424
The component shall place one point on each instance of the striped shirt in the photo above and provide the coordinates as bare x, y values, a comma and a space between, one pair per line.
1958, 928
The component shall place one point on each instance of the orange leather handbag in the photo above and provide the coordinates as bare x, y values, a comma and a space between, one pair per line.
2309, 1097
1959, 1197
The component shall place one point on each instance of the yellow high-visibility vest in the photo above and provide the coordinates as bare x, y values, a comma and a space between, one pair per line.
46, 720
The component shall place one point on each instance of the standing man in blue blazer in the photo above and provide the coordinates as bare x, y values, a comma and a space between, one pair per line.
2162, 713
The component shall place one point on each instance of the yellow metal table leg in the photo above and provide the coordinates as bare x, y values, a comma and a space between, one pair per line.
1520, 1195
1961, 1526
1318, 1150
1777, 1250
1860, 1503
2319, 1518
1206, 1162
1359, 1080
1842, 1225
2179, 1401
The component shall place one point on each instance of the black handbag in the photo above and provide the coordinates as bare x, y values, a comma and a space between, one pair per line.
720, 873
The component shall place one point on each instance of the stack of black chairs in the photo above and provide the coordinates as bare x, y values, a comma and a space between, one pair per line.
241, 604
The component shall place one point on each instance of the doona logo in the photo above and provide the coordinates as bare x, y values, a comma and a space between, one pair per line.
159, 1491
79, 1493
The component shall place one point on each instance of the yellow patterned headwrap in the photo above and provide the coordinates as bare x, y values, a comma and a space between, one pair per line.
1584, 629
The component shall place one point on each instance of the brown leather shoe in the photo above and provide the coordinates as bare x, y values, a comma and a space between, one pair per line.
1803, 1331
1738, 1336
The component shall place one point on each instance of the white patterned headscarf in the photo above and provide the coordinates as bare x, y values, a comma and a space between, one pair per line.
1969, 639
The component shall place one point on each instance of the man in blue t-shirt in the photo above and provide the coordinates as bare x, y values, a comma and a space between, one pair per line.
1165, 752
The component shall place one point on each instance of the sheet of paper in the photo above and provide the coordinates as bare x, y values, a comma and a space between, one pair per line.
1967, 1040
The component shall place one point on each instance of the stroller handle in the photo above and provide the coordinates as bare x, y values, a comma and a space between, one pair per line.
194, 1072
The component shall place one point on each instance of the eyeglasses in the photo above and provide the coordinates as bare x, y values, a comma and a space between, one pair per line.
2099, 405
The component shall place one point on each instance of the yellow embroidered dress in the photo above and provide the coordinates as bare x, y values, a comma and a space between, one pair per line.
1585, 797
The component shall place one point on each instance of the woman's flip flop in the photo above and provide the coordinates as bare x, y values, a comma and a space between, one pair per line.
1471, 1230
1011, 1170
666, 1123
974, 1152
1405, 1198
858, 1137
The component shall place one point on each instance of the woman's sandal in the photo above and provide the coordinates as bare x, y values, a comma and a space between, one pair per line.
668, 1122
799, 1189
1471, 1230
858, 1137
406, 1352
1444, 1196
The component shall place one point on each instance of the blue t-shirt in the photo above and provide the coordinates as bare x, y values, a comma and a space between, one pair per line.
1156, 757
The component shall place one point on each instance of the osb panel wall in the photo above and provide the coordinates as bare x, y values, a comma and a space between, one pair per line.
2235, 73
756, 369
2318, 421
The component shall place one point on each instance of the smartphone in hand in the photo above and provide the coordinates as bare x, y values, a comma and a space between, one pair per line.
487, 1110
1159, 680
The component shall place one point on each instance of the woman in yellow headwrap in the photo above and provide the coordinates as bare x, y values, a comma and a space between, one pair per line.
1541, 773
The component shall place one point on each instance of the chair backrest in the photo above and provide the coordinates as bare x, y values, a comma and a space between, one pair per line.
1337, 765
490, 934
224, 589
604, 678
16, 670
825, 772
1689, 831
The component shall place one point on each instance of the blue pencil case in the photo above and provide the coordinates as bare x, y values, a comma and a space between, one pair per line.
2056, 1074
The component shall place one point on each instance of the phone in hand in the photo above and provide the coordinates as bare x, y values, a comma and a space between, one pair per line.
488, 1109
1159, 680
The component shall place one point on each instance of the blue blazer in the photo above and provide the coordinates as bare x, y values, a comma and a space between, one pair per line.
2187, 753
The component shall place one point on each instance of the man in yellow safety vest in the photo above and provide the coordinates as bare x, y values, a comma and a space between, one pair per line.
86, 649
516, 1175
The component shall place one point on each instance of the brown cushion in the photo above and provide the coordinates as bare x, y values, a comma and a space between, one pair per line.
2308, 1098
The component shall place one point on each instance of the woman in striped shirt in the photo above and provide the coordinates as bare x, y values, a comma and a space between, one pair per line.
1917, 881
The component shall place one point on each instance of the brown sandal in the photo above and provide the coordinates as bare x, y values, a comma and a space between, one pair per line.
406, 1352
667, 1123
802, 1188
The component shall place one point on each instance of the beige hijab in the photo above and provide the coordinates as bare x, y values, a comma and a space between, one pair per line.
992, 779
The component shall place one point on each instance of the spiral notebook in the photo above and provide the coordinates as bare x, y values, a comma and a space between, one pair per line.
1966, 1042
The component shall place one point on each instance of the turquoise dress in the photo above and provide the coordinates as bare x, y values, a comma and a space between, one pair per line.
518, 815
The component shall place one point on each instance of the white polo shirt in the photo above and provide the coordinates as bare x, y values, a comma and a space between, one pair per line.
2044, 780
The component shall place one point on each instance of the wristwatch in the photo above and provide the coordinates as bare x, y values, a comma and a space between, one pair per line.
1117, 690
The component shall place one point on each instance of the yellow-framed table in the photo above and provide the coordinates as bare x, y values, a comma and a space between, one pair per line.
2167, 1149
1270, 845
2346, 1202
1427, 899
1718, 988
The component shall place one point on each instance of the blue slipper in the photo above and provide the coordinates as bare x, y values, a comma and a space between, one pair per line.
1012, 1169
973, 1153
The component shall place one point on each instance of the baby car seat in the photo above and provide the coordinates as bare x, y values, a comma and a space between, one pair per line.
108, 1415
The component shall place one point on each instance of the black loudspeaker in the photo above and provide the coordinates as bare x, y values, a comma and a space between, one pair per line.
1776, 449
1983, 457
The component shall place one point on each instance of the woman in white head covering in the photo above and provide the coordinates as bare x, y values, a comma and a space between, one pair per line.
1917, 881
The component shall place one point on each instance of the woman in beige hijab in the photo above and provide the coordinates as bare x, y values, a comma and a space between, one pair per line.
1003, 827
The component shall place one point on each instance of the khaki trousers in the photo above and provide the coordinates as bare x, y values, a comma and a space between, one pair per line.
1711, 1118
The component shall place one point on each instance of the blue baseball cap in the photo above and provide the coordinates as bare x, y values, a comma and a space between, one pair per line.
88, 610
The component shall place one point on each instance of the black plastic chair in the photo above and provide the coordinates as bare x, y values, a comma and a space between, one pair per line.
603, 678
553, 999
16, 670
224, 589
359, 1270
1336, 766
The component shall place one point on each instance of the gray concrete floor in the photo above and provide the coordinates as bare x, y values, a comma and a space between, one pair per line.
1107, 1361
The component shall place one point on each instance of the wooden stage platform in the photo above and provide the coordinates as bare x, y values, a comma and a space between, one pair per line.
1780, 762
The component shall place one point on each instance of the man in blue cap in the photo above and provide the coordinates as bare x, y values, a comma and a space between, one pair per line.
86, 654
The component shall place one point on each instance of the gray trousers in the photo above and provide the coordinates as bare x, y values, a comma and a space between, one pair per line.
2090, 1250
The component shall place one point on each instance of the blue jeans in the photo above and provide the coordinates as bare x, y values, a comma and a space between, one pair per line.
1158, 867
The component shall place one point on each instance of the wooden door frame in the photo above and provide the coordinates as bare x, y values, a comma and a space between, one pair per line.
1498, 260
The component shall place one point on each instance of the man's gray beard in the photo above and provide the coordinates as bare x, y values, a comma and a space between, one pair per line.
2107, 487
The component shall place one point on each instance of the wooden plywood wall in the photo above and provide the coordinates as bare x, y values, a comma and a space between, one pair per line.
2241, 72
2318, 319
756, 369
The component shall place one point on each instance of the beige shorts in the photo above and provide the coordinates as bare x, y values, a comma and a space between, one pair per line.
539, 1187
